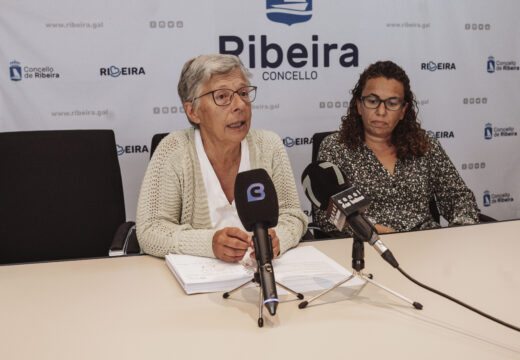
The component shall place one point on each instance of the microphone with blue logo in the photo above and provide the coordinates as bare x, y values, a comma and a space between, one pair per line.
257, 207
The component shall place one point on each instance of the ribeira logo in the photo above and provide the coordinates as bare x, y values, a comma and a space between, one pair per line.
279, 60
131, 149
432, 66
491, 132
15, 71
114, 71
272, 55
499, 65
289, 11
489, 198
441, 134
290, 142
255, 192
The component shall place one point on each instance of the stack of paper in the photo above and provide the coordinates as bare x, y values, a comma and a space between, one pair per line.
302, 269
199, 274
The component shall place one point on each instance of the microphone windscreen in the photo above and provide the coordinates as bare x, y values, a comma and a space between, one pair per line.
321, 180
255, 199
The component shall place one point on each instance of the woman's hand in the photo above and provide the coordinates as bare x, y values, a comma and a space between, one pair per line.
381, 229
276, 244
230, 244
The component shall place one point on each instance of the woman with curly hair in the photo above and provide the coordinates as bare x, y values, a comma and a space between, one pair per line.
386, 154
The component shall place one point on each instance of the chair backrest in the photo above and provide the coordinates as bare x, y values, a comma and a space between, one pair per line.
156, 139
61, 194
317, 138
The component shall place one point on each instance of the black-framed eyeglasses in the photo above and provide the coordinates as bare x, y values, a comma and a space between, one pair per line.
373, 101
223, 97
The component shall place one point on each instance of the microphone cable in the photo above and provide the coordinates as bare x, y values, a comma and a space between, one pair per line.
328, 184
456, 301
389, 257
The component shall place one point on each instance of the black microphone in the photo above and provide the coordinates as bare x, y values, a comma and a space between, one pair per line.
257, 207
327, 187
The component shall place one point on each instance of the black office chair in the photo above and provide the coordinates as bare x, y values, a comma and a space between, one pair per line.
434, 210
156, 139
317, 138
61, 195
314, 232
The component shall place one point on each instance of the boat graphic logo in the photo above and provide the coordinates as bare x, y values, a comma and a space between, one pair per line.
289, 11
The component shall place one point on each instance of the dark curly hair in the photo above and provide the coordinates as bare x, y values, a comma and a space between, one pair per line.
408, 137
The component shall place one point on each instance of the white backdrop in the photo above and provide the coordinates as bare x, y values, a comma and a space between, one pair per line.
115, 64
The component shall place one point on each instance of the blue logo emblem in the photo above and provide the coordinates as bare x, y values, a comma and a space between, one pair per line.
491, 65
120, 150
289, 11
15, 71
488, 132
288, 141
115, 71
487, 198
255, 192
432, 66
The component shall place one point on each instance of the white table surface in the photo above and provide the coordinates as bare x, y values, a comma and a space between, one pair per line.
133, 308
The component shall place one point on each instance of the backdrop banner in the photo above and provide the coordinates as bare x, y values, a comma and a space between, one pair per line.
115, 65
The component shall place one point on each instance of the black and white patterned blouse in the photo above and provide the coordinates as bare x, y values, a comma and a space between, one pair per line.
401, 201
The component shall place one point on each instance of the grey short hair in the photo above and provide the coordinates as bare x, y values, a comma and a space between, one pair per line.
196, 73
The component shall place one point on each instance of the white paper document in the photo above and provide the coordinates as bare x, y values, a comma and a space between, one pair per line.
302, 269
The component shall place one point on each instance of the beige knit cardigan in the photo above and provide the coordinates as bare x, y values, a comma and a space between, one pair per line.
172, 211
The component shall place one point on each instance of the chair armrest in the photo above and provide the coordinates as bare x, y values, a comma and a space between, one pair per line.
308, 236
314, 232
132, 245
120, 241
484, 218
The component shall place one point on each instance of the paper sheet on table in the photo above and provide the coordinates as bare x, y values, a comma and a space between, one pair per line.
307, 269
302, 269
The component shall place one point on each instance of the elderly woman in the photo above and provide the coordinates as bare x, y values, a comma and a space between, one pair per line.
396, 164
186, 204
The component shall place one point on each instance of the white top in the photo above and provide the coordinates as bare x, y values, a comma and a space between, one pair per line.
222, 213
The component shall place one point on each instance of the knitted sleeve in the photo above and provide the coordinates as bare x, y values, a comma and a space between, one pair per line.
292, 222
164, 221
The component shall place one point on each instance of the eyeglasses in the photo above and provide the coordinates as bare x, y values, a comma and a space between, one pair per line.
373, 101
223, 97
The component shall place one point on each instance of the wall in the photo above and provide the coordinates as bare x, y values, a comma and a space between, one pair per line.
115, 64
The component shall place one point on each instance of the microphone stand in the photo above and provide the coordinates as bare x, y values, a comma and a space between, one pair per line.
257, 280
358, 264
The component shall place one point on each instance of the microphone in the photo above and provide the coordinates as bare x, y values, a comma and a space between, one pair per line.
257, 207
327, 187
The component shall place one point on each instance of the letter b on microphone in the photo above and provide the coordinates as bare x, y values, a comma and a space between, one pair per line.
255, 192
255, 199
